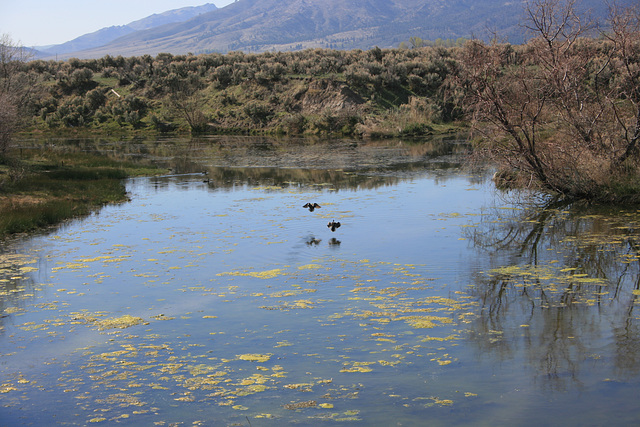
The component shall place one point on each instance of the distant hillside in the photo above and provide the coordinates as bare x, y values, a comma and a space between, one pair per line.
88, 41
107, 35
265, 25
169, 17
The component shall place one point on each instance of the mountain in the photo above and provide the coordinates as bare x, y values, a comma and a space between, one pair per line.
265, 25
107, 35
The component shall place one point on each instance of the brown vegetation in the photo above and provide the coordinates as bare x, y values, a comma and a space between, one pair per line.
15, 87
561, 113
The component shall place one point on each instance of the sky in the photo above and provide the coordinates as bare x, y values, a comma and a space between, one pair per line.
47, 22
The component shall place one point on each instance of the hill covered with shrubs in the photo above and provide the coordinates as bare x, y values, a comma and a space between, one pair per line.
315, 91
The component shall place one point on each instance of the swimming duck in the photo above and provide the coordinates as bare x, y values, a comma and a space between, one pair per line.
311, 206
333, 225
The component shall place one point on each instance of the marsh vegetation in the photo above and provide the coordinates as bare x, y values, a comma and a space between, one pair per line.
41, 186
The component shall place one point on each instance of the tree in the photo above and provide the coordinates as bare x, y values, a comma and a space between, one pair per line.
8, 120
625, 37
14, 88
416, 42
562, 112
187, 100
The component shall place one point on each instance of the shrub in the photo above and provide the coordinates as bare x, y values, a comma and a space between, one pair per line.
257, 111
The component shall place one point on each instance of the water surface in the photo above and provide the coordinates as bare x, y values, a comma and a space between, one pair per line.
214, 298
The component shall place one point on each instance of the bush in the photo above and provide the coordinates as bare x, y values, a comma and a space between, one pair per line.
416, 129
294, 124
258, 112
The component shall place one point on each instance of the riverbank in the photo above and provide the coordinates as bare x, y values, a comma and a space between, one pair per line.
385, 130
38, 190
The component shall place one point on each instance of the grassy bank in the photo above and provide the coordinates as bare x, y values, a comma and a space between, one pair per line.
37, 192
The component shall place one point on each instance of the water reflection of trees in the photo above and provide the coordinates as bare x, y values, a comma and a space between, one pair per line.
230, 162
561, 280
227, 178
187, 155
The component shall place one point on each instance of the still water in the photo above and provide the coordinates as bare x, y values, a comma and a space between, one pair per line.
214, 298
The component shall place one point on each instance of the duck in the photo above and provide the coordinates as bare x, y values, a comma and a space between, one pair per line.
312, 206
333, 225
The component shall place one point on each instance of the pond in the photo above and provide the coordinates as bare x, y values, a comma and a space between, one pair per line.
214, 297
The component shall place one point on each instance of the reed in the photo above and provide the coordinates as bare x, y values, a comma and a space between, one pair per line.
28, 217
44, 195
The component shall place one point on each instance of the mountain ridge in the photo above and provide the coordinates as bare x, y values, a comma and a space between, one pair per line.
266, 25
106, 35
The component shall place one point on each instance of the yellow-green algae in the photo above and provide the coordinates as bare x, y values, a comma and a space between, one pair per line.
163, 367
121, 322
253, 357
267, 274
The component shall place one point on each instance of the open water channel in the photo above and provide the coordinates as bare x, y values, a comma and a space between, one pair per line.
214, 298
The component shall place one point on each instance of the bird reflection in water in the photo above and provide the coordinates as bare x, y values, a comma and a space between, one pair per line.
312, 241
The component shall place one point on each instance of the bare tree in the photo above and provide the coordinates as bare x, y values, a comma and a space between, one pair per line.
14, 88
625, 37
8, 120
561, 113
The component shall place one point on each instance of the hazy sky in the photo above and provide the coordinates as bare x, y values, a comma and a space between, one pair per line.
45, 22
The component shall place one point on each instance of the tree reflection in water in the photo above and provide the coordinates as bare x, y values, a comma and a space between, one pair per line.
562, 286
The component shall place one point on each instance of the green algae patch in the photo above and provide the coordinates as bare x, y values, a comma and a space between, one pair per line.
267, 274
447, 338
551, 280
555, 278
442, 402
301, 405
121, 322
253, 357
310, 267
426, 322
358, 367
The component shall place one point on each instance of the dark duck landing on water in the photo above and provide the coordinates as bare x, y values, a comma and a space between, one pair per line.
333, 225
311, 206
